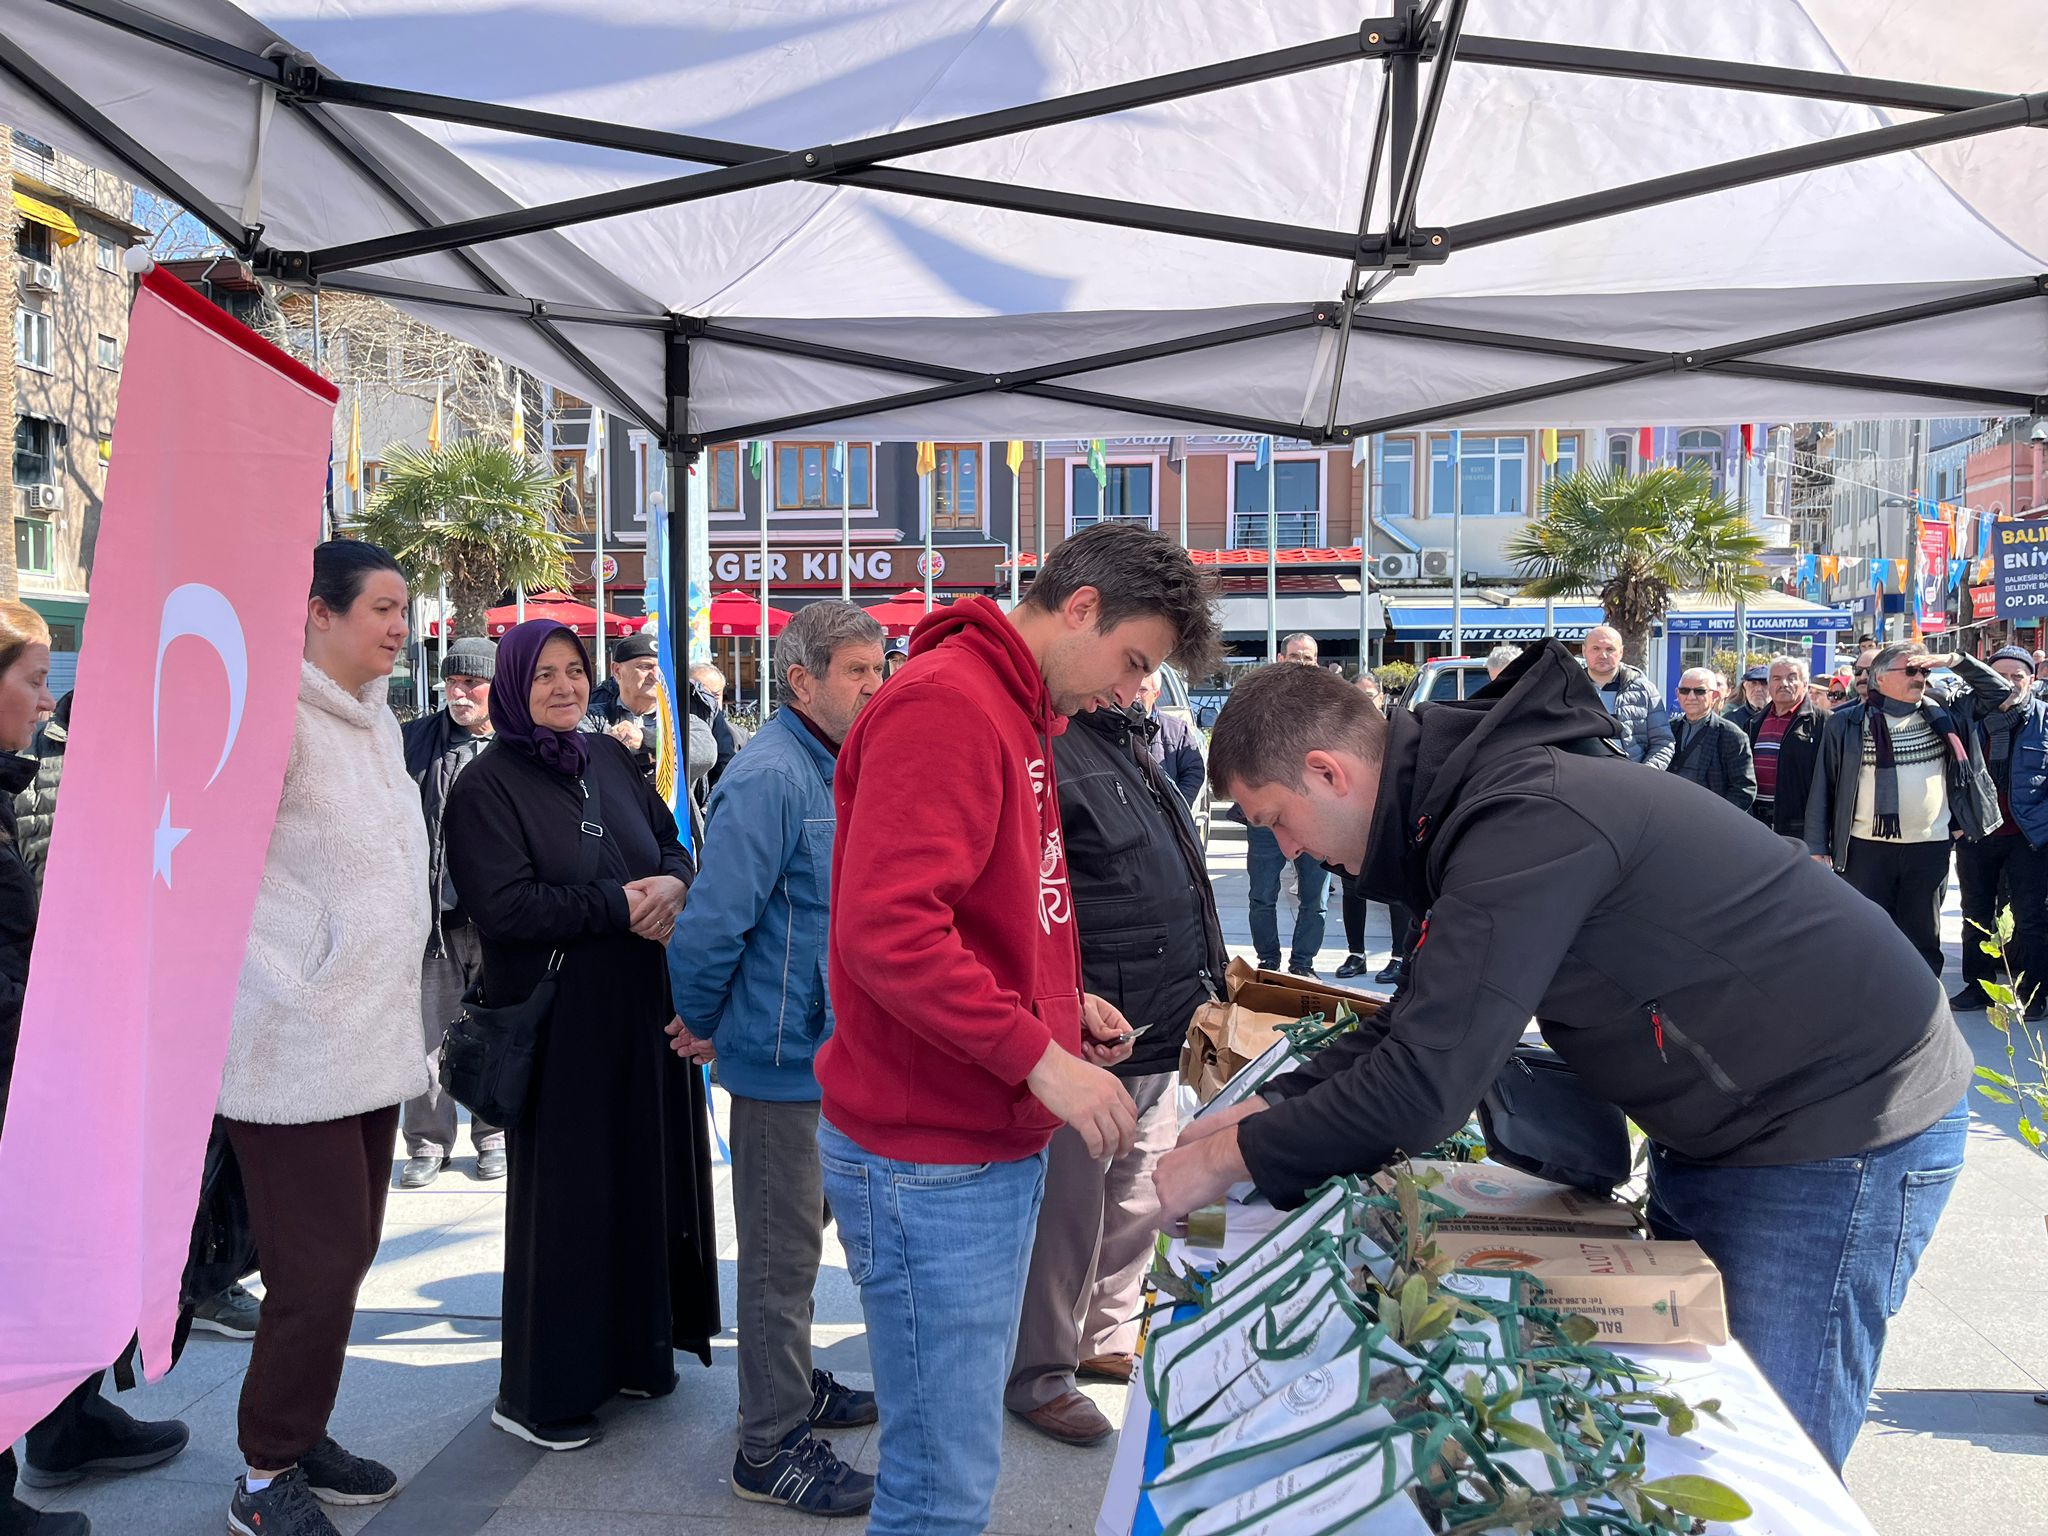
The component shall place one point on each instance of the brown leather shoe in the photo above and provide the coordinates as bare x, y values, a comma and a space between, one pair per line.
1108, 1367
1070, 1419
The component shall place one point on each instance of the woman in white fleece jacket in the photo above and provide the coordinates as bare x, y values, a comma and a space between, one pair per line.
325, 1045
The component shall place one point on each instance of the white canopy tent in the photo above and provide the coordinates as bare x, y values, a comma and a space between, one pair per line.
1051, 218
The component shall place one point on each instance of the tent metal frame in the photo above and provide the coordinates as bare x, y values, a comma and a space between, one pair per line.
1421, 33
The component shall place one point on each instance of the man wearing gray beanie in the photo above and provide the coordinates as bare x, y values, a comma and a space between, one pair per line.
437, 748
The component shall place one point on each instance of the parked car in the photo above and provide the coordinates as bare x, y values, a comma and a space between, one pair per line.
1446, 677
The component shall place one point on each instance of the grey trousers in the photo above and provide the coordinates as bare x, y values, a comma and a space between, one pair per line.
429, 1120
1096, 1233
778, 1207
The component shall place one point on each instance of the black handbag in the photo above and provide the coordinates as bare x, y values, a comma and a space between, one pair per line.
487, 1053
1539, 1117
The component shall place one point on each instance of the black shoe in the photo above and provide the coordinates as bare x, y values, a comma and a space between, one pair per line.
419, 1172
336, 1477
573, 1435
1354, 965
645, 1394
285, 1508
1391, 971
233, 1314
17, 1519
491, 1165
806, 1477
1972, 999
837, 1407
1303, 970
114, 1442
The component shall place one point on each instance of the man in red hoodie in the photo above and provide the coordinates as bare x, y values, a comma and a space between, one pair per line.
962, 1037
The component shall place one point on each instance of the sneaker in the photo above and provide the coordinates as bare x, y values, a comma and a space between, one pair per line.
19, 1520
1303, 970
336, 1477
285, 1507
419, 1172
113, 1442
1354, 965
1972, 999
837, 1407
491, 1164
233, 1314
573, 1435
806, 1477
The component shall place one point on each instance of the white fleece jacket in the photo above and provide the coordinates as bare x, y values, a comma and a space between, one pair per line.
327, 1014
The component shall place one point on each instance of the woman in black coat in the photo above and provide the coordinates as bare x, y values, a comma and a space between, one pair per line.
558, 845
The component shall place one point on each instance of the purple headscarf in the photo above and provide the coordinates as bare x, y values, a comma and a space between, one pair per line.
519, 651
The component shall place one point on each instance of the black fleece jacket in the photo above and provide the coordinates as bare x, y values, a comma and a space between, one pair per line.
1662, 939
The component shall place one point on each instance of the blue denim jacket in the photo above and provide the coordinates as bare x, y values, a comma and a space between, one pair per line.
747, 959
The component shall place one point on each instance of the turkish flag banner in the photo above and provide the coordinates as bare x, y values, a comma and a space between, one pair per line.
187, 694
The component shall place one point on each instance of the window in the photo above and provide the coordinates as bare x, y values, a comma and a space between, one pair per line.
956, 487
1703, 446
32, 240
36, 442
1397, 477
32, 545
806, 480
1567, 455
1493, 477
1619, 452
725, 480
107, 254
573, 513
109, 352
1297, 491
1126, 498
32, 339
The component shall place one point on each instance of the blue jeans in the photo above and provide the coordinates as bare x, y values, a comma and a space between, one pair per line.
1815, 1257
939, 1251
1264, 862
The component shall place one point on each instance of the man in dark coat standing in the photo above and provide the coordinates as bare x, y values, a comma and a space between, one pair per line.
437, 748
1785, 743
1754, 700
1707, 747
1171, 742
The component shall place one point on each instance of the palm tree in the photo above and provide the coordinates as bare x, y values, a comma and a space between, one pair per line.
475, 512
1636, 539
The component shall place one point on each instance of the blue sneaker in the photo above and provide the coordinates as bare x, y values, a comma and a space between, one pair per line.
837, 1407
804, 1476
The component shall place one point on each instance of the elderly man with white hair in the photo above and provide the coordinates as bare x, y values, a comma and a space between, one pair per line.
1709, 748
1500, 658
1644, 727
1785, 740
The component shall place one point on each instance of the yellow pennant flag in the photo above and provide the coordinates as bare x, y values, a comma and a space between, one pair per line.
519, 423
434, 426
927, 458
1548, 438
1016, 455
352, 470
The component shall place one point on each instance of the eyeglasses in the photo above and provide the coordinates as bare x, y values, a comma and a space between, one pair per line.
1917, 671
1692, 690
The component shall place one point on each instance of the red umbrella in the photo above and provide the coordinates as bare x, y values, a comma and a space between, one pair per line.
563, 609
903, 612
738, 614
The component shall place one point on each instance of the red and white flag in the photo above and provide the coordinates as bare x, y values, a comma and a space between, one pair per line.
187, 691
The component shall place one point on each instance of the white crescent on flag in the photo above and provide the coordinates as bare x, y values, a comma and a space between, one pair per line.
204, 613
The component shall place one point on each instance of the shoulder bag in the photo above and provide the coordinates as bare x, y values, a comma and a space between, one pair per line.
487, 1052
1539, 1117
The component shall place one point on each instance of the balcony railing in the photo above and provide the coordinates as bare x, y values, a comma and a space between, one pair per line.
76, 180
1294, 530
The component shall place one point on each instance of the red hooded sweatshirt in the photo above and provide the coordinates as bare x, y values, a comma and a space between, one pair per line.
954, 957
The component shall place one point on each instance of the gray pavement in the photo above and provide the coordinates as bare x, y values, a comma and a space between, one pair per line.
1949, 1448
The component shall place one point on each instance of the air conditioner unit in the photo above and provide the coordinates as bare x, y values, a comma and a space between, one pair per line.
1393, 567
1436, 564
41, 498
41, 277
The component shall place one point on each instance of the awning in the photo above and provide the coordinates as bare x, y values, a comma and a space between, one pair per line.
1489, 623
55, 219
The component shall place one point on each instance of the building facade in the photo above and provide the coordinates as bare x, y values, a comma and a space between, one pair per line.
70, 296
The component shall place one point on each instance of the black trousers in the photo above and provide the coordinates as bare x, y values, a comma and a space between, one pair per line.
1908, 880
1400, 921
1995, 871
57, 1441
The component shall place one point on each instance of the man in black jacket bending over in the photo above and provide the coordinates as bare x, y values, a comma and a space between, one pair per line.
1150, 943
1806, 1126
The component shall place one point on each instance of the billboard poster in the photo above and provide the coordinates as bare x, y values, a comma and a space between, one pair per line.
1930, 596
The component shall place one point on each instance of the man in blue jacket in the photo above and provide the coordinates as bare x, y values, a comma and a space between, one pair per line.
747, 963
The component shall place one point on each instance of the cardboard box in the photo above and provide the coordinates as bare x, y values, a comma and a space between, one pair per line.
1277, 992
1498, 1196
1634, 1292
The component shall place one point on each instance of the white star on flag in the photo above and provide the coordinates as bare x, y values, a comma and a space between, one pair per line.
167, 839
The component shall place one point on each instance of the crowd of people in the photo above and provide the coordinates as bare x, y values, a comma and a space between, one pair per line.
968, 1066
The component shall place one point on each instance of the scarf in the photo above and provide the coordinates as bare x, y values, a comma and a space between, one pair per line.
1884, 820
2000, 728
567, 752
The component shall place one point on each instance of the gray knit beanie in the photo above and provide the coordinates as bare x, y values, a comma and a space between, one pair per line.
471, 656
